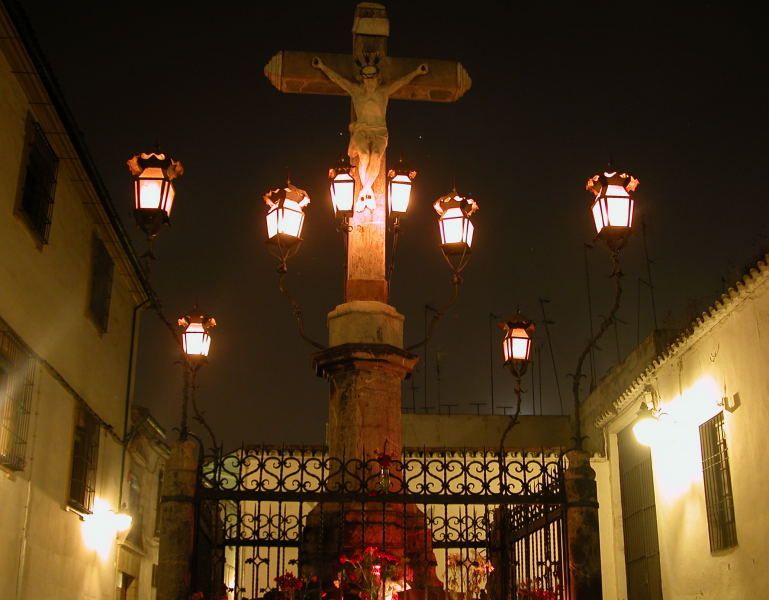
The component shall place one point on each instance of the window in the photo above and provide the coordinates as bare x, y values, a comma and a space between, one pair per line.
16, 379
84, 457
36, 204
101, 285
718, 484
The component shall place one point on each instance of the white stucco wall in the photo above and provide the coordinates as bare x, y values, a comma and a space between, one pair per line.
44, 294
725, 355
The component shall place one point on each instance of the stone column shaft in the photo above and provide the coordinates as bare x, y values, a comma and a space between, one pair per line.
177, 522
582, 528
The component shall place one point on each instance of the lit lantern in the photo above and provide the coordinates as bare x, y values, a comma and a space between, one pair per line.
455, 225
646, 428
342, 186
195, 338
153, 189
399, 180
613, 205
516, 345
285, 216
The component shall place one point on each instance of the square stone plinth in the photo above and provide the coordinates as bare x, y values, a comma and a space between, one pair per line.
365, 322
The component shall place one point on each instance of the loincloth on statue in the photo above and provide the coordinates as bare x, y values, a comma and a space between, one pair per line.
363, 135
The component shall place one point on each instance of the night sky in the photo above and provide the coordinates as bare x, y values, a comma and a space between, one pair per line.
679, 98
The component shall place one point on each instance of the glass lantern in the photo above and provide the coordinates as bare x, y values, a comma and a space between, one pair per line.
153, 189
613, 204
196, 340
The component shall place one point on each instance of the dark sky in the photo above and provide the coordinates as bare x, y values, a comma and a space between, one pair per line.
677, 97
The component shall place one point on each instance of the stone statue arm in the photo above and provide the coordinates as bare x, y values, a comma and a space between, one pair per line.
406, 79
345, 84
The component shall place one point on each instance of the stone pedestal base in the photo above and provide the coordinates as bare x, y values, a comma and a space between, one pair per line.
177, 521
582, 527
336, 530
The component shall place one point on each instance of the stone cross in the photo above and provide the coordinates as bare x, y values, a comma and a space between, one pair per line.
337, 74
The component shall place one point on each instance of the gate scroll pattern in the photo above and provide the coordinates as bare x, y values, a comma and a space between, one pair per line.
461, 523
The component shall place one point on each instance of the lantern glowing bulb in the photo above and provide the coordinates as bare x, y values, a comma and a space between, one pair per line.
101, 526
647, 428
613, 203
195, 338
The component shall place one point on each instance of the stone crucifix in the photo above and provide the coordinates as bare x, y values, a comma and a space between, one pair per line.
370, 78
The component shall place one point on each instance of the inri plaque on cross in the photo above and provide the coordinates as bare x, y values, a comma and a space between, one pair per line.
370, 78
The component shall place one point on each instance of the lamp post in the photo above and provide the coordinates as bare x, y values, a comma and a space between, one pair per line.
612, 207
196, 342
516, 351
154, 194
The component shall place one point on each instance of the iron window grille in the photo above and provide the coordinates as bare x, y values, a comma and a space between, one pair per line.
101, 285
37, 194
17, 370
719, 501
84, 460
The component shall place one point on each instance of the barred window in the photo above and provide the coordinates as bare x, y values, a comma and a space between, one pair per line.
718, 484
16, 379
101, 285
36, 203
84, 458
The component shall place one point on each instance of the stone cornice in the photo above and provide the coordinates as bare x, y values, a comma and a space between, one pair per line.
734, 297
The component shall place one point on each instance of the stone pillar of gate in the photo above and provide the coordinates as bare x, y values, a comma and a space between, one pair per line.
582, 527
177, 521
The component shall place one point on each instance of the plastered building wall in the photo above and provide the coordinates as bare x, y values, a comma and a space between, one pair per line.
44, 303
718, 365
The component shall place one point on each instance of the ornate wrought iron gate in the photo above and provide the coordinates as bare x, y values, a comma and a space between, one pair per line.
295, 523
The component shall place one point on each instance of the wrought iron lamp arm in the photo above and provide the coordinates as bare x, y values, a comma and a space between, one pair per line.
616, 274
456, 281
191, 368
511, 423
296, 308
396, 227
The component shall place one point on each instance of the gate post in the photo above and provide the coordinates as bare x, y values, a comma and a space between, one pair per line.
177, 521
582, 527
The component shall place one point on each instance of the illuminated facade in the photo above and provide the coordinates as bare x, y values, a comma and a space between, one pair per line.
70, 296
685, 516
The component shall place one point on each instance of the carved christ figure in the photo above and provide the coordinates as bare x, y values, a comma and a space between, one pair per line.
368, 133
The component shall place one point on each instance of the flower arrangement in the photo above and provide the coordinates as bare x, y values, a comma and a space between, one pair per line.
373, 574
476, 568
290, 587
529, 590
